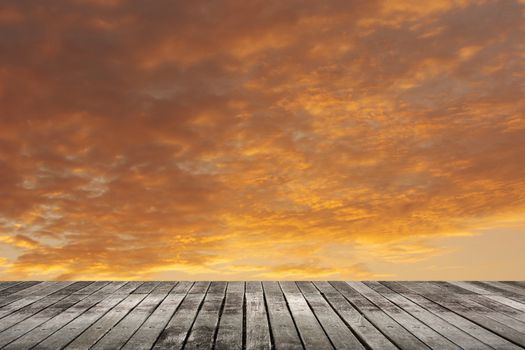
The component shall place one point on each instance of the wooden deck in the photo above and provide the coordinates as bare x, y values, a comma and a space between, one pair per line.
262, 315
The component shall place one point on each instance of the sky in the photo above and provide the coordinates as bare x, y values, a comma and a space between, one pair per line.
262, 139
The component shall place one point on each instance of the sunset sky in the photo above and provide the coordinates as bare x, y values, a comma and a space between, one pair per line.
262, 139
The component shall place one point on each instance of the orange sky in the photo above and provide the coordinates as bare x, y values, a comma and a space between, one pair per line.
262, 140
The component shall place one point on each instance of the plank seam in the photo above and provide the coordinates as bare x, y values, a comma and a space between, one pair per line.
173, 315
110, 329
244, 309
291, 316
49, 306
471, 320
151, 313
221, 310
83, 312
272, 340
370, 320
186, 337
428, 325
361, 339
316, 317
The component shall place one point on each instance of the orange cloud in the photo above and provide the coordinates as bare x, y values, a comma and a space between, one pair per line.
248, 140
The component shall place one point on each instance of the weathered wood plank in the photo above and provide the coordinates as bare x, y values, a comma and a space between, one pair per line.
519, 284
257, 325
506, 326
467, 301
471, 287
93, 332
48, 288
262, 315
507, 287
339, 334
17, 288
124, 329
426, 334
441, 326
500, 292
28, 311
85, 338
484, 294
93, 287
32, 289
450, 316
6, 285
395, 332
202, 335
103, 300
73, 288
230, 332
366, 332
37, 319
151, 329
494, 327
501, 306
146, 287
283, 328
175, 334
310, 330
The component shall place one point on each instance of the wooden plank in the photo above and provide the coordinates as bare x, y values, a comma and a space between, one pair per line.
468, 301
204, 330
310, 330
47, 289
489, 293
257, 326
230, 333
441, 326
493, 305
85, 337
175, 334
28, 311
468, 313
509, 302
33, 290
339, 334
128, 288
254, 315
17, 288
6, 285
92, 288
471, 287
124, 329
485, 300
458, 321
86, 311
365, 331
502, 305
390, 328
284, 331
497, 291
151, 329
146, 287
426, 334
483, 314
519, 284
37, 319
73, 288
507, 287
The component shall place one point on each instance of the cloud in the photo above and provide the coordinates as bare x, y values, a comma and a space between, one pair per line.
250, 139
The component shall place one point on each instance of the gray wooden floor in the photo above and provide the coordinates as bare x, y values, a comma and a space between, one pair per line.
262, 315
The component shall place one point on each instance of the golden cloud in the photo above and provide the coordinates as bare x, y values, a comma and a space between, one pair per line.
249, 140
